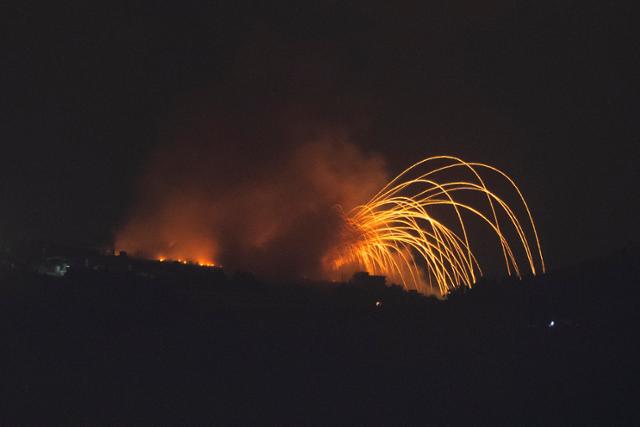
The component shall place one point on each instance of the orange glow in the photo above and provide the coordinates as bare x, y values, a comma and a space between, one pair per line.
277, 221
206, 264
200, 263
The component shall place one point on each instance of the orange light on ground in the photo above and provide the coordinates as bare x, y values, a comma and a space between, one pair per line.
205, 263
200, 263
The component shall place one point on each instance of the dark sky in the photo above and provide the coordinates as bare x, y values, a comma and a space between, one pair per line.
547, 91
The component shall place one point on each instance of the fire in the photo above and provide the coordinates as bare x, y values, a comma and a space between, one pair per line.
199, 263
397, 234
274, 216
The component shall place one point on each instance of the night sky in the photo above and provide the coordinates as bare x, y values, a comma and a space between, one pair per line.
547, 91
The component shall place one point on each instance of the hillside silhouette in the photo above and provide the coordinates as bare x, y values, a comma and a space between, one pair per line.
117, 347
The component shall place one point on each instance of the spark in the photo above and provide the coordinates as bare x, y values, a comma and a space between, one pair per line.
398, 234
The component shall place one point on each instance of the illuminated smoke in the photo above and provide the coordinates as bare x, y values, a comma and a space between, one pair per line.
237, 200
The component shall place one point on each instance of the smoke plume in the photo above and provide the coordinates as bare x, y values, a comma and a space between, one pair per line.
265, 199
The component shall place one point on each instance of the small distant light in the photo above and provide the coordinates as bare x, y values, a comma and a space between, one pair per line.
378, 303
552, 323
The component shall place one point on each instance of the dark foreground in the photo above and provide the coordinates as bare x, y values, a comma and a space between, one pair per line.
113, 349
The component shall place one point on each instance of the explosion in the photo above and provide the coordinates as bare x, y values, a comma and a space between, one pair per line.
398, 234
297, 207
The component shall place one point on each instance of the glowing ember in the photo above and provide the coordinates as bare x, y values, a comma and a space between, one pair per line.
206, 264
201, 263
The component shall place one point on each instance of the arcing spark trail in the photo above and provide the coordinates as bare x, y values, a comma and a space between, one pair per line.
398, 234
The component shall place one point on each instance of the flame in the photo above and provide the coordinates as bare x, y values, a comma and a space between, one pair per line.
200, 262
206, 264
